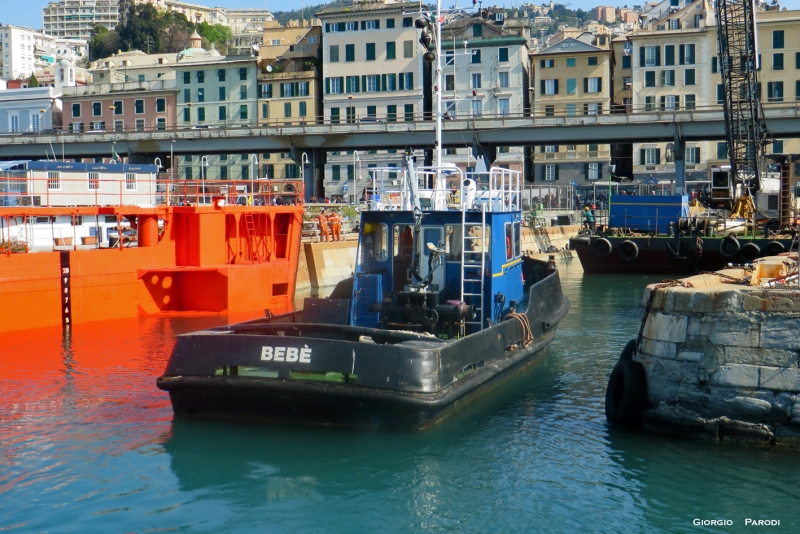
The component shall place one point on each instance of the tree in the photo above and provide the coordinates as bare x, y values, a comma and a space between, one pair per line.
103, 42
217, 34
33, 82
143, 30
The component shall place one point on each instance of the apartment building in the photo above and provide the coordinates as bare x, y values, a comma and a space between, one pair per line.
571, 79
73, 19
289, 86
605, 14
134, 66
248, 20
194, 13
372, 70
29, 110
487, 77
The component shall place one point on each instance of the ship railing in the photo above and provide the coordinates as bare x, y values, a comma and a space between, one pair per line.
20, 190
663, 222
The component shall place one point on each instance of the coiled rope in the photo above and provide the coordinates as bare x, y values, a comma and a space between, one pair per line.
522, 319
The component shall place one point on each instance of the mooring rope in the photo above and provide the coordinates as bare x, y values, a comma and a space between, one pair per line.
522, 319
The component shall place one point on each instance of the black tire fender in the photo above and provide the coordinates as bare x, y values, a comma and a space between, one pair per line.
626, 395
729, 246
774, 248
601, 247
627, 352
580, 242
628, 250
750, 251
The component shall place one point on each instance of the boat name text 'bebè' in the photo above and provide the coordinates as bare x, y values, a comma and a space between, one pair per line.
286, 354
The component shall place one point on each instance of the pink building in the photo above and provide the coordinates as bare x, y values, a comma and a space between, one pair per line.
605, 14
137, 106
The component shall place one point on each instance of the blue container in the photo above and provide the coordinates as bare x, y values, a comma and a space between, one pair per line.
647, 213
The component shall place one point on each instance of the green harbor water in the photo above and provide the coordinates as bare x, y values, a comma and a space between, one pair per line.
89, 444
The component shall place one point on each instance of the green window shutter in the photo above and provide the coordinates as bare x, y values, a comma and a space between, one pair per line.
327, 27
378, 24
541, 149
681, 53
641, 56
555, 83
341, 26
642, 158
364, 83
259, 92
347, 86
600, 84
797, 89
714, 65
363, 24
557, 148
691, 55
658, 56
542, 172
541, 63
557, 169
658, 156
383, 82
281, 90
586, 170
410, 81
327, 86
341, 82
586, 85
357, 88
542, 88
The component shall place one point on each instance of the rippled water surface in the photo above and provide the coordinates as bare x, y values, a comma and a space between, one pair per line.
88, 444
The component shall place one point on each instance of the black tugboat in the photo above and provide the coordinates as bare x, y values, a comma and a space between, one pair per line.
443, 305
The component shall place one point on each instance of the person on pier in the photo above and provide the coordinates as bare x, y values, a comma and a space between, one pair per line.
322, 220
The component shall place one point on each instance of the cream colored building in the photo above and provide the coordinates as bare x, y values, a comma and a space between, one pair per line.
73, 19
571, 79
194, 13
133, 66
372, 70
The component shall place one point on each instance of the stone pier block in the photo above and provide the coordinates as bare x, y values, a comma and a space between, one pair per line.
749, 407
700, 326
768, 357
659, 390
687, 356
662, 327
736, 375
781, 332
780, 379
736, 332
661, 349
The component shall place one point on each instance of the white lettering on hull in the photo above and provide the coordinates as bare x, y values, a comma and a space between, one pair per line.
286, 354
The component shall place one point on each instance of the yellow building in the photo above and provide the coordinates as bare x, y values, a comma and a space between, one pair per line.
289, 88
571, 79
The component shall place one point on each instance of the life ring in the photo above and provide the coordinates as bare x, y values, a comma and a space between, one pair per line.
601, 247
628, 250
750, 251
729, 246
774, 248
626, 395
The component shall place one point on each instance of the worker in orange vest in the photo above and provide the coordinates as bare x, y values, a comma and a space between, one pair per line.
336, 226
323, 226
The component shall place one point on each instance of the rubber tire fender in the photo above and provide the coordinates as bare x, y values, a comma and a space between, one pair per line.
601, 247
627, 352
579, 242
628, 250
729, 246
774, 248
750, 251
626, 394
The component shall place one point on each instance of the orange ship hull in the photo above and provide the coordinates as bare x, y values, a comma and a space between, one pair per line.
209, 259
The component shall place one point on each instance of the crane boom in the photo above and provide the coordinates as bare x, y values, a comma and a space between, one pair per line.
745, 127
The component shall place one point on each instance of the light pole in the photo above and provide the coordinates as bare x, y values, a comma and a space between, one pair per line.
355, 159
157, 163
113, 110
203, 171
303, 161
253, 174
171, 169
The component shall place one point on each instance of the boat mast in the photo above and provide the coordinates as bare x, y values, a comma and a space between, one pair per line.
437, 84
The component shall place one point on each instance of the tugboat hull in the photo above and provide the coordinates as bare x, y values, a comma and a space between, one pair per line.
349, 375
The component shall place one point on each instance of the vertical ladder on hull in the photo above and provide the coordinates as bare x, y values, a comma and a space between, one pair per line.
253, 237
473, 266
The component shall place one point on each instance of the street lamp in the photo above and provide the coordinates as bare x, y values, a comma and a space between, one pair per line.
171, 169
203, 172
355, 159
303, 161
253, 174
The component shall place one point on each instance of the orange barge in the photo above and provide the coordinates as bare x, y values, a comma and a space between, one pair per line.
191, 250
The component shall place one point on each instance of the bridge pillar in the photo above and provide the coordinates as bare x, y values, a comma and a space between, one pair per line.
679, 157
312, 164
488, 152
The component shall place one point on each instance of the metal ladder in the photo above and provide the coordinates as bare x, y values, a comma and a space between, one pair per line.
253, 239
472, 273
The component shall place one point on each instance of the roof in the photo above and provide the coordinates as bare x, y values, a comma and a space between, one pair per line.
570, 46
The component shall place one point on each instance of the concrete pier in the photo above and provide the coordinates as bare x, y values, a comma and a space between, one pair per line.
723, 359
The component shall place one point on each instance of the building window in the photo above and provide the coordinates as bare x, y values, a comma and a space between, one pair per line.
243, 74
550, 172
549, 111
476, 80
187, 114
390, 50
450, 82
477, 30
650, 78
547, 63
502, 55
187, 77
119, 126
571, 62
371, 25
336, 173
407, 22
389, 24
301, 108
130, 181
651, 156
571, 110
720, 94
287, 109
223, 113
243, 112
408, 113
503, 78
669, 102
688, 77
689, 102
370, 50
264, 111
161, 105
350, 53
351, 26
592, 85
334, 54
351, 115
187, 95
408, 49
592, 60
693, 155
336, 85
391, 113
221, 75
201, 76
94, 181
667, 78
53, 180
649, 103
161, 124
223, 172
592, 109
503, 107
97, 109
687, 54
372, 83
777, 61
550, 87
201, 95
188, 171
138, 106
334, 115
775, 92
76, 111
477, 108
406, 81
651, 56
476, 56
243, 92
201, 114
722, 150
626, 62
777, 39
777, 146
593, 171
